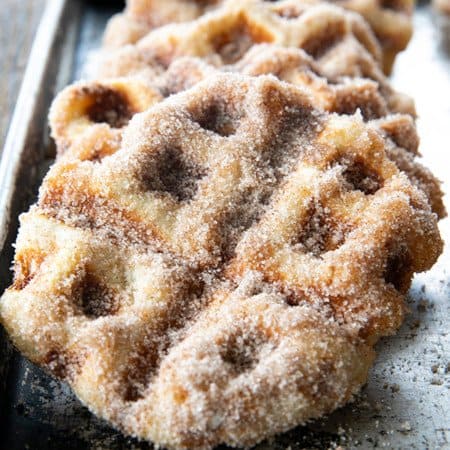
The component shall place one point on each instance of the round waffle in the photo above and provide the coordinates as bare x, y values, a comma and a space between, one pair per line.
375, 100
335, 38
89, 116
390, 21
222, 276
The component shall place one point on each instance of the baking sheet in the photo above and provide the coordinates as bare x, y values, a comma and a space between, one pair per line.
406, 403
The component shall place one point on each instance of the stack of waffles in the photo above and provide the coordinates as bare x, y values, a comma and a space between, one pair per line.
234, 218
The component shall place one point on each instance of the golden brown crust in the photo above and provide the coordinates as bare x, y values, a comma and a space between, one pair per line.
224, 274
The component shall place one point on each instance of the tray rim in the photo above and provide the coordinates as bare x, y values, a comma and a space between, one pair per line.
24, 151
24, 111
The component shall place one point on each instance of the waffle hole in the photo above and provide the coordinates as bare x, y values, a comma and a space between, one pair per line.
206, 3
295, 121
233, 43
398, 270
369, 102
141, 366
394, 5
109, 106
358, 177
170, 171
94, 298
288, 12
241, 352
323, 41
97, 153
245, 213
219, 117
319, 232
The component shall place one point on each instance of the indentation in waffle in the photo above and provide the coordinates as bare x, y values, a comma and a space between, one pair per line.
26, 266
111, 107
241, 351
319, 233
358, 177
142, 366
398, 269
170, 171
231, 44
94, 297
258, 297
395, 5
86, 111
218, 117
391, 21
326, 39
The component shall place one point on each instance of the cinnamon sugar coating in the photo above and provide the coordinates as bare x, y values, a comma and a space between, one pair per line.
224, 274
390, 21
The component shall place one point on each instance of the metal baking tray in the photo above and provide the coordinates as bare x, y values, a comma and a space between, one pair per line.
406, 403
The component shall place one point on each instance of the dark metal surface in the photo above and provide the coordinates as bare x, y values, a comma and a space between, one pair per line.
406, 402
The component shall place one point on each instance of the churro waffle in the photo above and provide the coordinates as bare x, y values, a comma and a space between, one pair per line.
222, 276
375, 100
335, 38
390, 21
